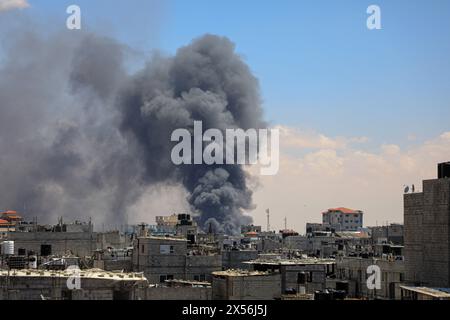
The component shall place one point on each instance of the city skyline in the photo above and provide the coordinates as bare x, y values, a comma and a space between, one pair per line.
361, 120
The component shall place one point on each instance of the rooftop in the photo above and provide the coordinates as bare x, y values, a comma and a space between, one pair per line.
343, 210
240, 273
433, 292
188, 282
164, 238
352, 234
87, 274
291, 262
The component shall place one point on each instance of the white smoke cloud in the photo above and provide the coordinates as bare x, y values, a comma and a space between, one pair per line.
319, 172
6, 5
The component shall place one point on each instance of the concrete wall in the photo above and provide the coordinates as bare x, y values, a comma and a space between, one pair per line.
78, 243
317, 274
427, 233
178, 293
355, 270
202, 265
55, 288
234, 259
264, 287
148, 258
113, 239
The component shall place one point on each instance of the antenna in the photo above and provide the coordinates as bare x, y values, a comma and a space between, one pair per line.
285, 223
268, 219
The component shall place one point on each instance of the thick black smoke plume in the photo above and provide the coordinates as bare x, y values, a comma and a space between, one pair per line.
78, 136
205, 81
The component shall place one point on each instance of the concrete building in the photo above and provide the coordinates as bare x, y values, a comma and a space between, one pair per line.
167, 221
246, 285
299, 243
234, 259
342, 219
164, 258
298, 275
312, 227
176, 225
250, 228
76, 239
392, 233
9, 221
427, 232
353, 270
52, 285
180, 290
353, 242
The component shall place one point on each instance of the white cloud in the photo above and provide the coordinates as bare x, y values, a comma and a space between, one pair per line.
6, 5
445, 136
293, 137
338, 172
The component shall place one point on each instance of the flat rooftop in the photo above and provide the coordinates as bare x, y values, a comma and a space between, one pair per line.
240, 273
433, 292
86, 274
164, 238
291, 262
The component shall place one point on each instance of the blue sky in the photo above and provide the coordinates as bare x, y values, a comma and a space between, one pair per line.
319, 67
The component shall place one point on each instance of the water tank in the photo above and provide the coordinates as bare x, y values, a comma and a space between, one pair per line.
32, 262
444, 170
8, 248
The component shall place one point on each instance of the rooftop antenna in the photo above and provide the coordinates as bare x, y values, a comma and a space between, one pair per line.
285, 223
268, 220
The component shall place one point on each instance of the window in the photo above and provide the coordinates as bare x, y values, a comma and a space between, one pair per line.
200, 277
142, 249
166, 249
163, 278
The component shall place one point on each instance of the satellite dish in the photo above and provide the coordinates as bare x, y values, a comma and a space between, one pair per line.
406, 189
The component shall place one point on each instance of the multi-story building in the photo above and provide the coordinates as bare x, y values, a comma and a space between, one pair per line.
64, 238
427, 232
164, 258
342, 219
390, 233
353, 270
300, 275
